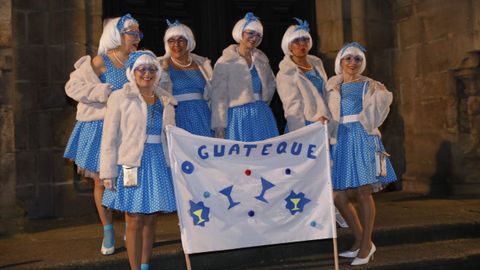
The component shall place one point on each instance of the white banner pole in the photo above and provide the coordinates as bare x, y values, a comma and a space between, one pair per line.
187, 261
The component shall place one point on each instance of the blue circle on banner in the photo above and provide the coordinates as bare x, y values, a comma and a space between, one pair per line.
206, 194
288, 171
313, 223
251, 213
187, 167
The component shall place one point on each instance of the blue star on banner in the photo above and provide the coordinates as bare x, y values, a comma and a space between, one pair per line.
296, 202
265, 186
199, 213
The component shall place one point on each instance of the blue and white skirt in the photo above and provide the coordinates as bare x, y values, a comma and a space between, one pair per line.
251, 122
354, 159
83, 147
154, 192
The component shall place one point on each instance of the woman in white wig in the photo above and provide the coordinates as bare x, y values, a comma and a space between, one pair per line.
133, 165
301, 79
190, 76
90, 85
242, 87
358, 105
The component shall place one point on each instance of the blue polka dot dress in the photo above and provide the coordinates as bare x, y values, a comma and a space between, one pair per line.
354, 153
192, 115
83, 147
317, 81
252, 121
154, 192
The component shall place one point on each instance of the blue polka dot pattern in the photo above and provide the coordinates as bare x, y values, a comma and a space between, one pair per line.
192, 115
154, 192
316, 80
83, 146
252, 121
354, 153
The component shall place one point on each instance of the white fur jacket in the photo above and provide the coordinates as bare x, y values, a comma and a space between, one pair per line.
376, 105
301, 99
124, 128
204, 65
232, 83
85, 87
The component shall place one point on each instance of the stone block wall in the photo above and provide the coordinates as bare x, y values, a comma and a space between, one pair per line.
49, 36
431, 37
8, 208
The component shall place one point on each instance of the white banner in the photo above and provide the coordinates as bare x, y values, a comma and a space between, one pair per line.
234, 194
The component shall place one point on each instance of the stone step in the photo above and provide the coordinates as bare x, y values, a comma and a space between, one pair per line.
458, 254
402, 220
428, 239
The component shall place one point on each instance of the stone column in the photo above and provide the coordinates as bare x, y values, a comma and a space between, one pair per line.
8, 208
466, 151
358, 22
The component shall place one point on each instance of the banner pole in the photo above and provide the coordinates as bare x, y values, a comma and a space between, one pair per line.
334, 225
335, 253
187, 261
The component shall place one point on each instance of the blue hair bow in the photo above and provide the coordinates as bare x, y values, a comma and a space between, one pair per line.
302, 25
172, 24
123, 19
249, 17
353, 44
132, 58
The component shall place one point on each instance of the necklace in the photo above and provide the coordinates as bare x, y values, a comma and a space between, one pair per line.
180, 64
304, 67
118, 59
353, 80
149, 96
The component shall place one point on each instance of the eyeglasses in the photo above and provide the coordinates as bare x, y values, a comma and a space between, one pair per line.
300, 40
144, 69
253, 34
135, 34
350, 58
179, 41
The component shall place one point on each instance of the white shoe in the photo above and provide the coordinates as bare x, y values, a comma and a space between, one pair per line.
360, 261
107, 251
340, 220
349, 254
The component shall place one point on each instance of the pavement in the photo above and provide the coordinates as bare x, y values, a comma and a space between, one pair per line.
446, 226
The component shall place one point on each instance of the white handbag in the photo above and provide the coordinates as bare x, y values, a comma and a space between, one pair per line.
130, 176
380, 160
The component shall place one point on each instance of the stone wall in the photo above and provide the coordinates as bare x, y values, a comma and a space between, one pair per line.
49, 36
8, 209
432, 36
426, 52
